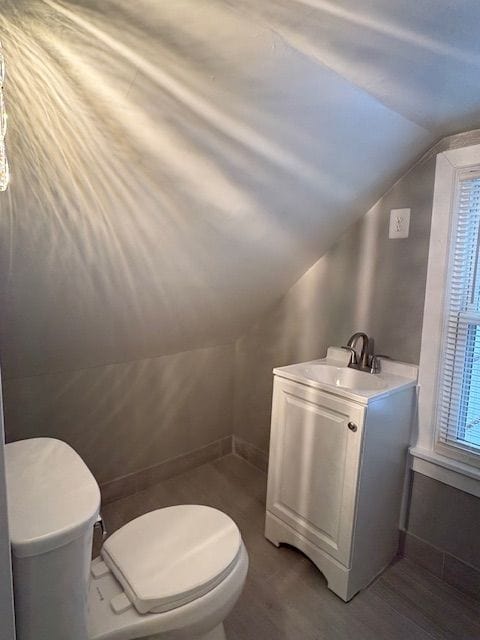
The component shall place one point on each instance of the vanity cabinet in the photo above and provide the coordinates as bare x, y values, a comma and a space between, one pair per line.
335, 480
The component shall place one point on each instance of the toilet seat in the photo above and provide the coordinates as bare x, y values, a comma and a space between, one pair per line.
172, 556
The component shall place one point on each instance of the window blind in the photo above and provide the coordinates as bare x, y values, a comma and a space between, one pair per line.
459, 389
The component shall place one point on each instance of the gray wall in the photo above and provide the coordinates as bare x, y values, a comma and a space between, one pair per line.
365, 282
370, 283
446, 518
128, 416
442, 533
165, 191
176, 167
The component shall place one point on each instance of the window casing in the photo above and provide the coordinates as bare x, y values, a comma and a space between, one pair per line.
458, 402
448, 437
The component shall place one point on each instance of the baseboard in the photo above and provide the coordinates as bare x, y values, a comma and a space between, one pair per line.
448, 568
250, 453
144, 478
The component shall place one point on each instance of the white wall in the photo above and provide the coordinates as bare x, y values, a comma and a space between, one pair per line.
7, 630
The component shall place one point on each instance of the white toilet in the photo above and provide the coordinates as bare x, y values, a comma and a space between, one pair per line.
171, 574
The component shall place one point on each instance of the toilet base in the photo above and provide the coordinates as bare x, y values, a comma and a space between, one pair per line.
201, 619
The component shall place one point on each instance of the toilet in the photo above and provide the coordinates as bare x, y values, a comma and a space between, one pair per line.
171, 574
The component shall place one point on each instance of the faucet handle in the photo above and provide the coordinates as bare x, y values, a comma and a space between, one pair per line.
353, 354
375, 366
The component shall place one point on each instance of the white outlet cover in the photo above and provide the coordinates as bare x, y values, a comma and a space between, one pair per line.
399, 223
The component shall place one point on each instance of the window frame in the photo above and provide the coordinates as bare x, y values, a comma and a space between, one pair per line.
442, 461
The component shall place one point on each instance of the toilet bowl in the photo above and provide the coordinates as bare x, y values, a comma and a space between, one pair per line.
171, 574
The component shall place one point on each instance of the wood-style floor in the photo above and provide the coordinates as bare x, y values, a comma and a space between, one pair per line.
286, 597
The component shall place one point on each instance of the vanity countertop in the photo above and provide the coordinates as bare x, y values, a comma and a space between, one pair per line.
334, 376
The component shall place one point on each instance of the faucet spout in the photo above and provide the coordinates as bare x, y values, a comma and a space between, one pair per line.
362, 361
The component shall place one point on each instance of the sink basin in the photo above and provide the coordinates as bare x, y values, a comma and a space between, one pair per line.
333, 376
343, 377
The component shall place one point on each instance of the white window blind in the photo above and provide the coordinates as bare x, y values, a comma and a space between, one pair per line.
459, 390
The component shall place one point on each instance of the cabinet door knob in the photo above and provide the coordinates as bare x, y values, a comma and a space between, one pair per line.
352, 426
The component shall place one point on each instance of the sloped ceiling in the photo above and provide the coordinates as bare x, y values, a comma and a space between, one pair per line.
178, 165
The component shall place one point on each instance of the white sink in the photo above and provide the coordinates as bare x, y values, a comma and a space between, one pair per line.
350, 383
343, 377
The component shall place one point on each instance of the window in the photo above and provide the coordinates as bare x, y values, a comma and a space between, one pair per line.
448, 445
459, 385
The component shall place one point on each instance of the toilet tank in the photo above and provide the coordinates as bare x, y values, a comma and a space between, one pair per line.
53, 503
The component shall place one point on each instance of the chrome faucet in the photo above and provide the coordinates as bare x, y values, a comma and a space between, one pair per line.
353, 356
361, 362
367, 361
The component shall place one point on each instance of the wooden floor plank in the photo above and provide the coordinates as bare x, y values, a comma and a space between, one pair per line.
423, 602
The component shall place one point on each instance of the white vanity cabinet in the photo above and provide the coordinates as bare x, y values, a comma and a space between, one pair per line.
336, 475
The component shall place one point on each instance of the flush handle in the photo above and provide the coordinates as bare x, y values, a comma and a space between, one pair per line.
99, 524
352, 426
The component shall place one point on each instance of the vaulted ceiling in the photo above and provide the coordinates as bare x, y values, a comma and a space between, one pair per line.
178, 165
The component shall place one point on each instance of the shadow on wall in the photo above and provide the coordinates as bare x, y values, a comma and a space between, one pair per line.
124, 417
164, 174
401, 57
132, 184
176, 168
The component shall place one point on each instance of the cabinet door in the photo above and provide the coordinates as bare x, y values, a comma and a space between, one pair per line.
314, 465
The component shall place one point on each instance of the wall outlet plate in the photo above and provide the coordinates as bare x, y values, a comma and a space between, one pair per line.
399, 223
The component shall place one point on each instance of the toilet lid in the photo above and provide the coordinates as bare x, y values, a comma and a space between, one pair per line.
172, 556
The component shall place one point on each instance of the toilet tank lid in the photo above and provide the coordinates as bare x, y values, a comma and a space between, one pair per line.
52, 495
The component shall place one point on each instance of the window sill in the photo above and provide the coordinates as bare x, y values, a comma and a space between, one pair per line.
446, 470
